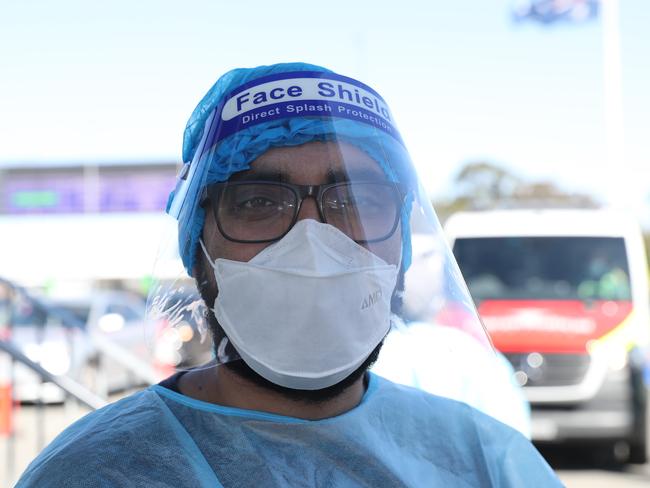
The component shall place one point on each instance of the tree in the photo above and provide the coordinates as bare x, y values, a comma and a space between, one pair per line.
548, 195
483, 185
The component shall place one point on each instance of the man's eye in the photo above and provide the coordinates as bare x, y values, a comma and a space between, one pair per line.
337, 204
257, 203
353, 202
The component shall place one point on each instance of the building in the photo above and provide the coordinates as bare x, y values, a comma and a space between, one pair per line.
83, 224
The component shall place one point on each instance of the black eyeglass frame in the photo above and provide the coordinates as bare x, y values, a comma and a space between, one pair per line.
212, 193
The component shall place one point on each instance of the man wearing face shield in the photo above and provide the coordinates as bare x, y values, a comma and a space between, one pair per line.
295, 210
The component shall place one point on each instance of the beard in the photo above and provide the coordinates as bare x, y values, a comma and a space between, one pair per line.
223, 348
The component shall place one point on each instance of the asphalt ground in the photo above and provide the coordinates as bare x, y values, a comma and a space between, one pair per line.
583, 466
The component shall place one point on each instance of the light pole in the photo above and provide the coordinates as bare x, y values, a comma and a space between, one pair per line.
616, 164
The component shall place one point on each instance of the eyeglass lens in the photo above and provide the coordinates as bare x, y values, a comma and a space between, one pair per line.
259, 212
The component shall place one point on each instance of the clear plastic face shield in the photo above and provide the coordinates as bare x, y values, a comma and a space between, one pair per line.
307, 242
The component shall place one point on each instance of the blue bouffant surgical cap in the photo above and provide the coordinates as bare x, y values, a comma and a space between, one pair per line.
236, 152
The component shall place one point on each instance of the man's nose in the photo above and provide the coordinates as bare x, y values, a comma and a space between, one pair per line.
309, 209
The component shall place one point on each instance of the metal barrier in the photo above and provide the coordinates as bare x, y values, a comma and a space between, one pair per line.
75, 395
71, 388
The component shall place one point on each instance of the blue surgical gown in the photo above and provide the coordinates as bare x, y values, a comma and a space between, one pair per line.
397, 436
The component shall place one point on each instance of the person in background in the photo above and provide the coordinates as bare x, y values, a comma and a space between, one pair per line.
295, 206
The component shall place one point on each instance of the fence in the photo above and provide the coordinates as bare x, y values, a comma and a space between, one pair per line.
55, 397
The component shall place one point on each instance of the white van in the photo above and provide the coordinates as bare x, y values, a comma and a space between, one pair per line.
564, 295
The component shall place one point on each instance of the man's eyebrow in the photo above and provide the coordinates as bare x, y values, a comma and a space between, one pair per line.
359, 174
333, 175
263, 175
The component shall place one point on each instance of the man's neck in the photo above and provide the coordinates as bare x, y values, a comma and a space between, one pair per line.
221, 386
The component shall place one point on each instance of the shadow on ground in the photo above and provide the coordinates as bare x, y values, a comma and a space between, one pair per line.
581, 457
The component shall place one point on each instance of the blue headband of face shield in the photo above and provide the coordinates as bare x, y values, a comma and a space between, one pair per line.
233, 153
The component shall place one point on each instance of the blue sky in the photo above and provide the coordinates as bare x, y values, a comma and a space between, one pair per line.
116, 81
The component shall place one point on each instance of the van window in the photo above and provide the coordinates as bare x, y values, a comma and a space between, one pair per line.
129, 313
552, 268
26, 312
81, 312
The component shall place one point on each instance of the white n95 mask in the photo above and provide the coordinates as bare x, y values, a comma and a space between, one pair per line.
308, 310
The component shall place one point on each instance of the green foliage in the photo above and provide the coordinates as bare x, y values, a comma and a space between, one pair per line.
483, 185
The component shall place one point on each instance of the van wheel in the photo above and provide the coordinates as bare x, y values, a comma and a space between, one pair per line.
641, 411
612, 455
639, 444
638, 453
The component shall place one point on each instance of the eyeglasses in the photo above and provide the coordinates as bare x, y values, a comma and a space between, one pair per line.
264, 211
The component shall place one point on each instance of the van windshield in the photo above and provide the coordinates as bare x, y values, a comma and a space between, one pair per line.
551, 268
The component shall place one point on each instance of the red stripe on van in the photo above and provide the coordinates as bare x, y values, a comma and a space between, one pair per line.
551, 326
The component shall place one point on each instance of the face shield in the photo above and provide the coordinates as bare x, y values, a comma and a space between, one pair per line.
305, 235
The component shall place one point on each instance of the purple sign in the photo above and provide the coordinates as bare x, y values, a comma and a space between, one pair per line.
122, 190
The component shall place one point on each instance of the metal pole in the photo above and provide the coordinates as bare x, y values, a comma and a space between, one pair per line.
613, 97
11, 439
68, 385
91, 195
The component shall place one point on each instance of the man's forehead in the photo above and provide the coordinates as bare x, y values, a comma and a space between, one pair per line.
316, 160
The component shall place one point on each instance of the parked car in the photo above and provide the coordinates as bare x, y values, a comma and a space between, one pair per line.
564, 296
99, 340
